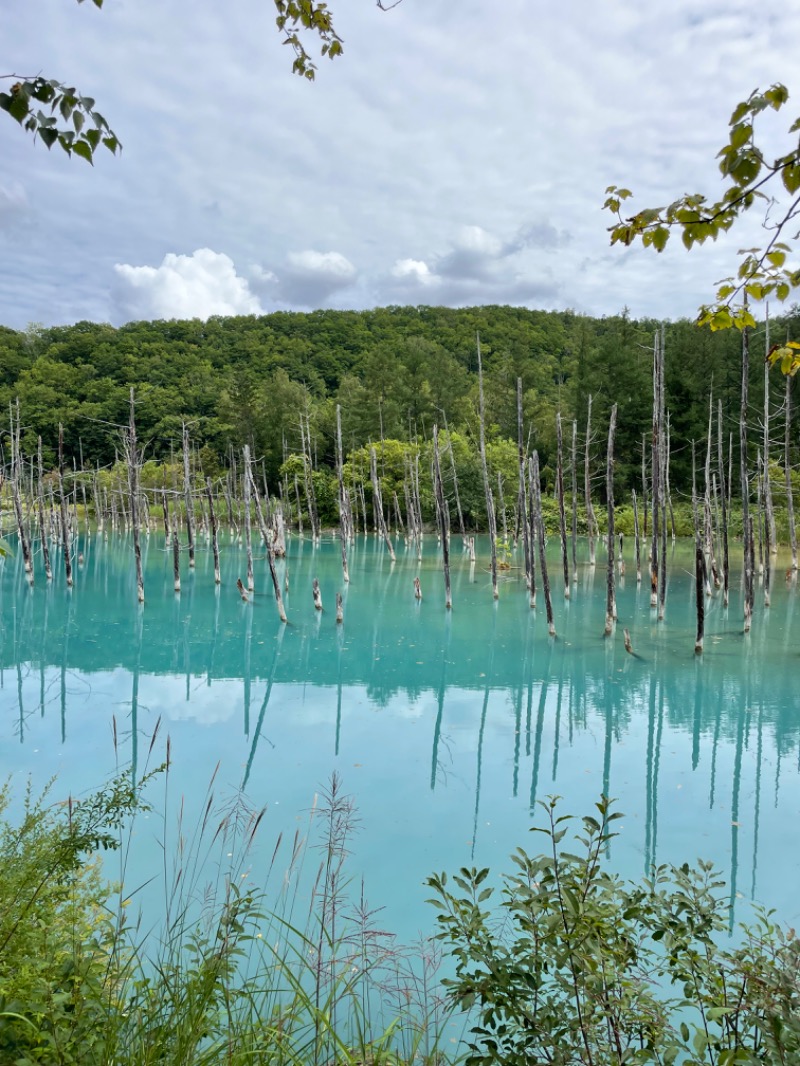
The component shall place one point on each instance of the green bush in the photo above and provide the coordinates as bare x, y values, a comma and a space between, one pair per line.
578, 966
59, 964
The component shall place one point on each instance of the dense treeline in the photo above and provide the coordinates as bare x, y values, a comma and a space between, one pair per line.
394, 371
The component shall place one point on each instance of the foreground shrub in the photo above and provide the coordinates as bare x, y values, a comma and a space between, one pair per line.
578, 966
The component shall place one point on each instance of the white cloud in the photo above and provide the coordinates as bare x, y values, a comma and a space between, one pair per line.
310, 278
479, 154
184, 286
480, 268
415, 269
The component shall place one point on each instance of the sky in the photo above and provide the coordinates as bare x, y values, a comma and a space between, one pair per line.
456, 154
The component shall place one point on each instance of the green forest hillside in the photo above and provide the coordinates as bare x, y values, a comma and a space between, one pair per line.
394, 371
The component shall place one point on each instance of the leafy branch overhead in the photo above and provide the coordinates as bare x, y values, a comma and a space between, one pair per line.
57, 113
64, 117
751, 180
295, 16
71, 120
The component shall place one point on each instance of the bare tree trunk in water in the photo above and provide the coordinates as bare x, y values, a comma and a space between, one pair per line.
611, 602
537, 493
573, 463
486, 487
562, 521
187, 495
378, 501
344, 515
65, 535
744, 475
24, 543
248, 531
698, 596
214, 533
637, 540
265, 536
591, 521
787, 470
522, 494
442, 511
133, 485
724, 506
772, 533
40, 503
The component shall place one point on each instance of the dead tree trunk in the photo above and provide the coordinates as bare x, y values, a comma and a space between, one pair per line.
265, 536
486, 487
574, 470
668, 454
532, 533
611, 602
344, 516
187, 495
308, 470
442, 512
378, 502
214, 535
522, 494
787, 473
461, 527
66, 540
40, 503
743, 471
24, 543
767, 557
133, 486
562, 520
708, 530
539, 521
655, 487
591, 521
248, 531
698, 596
723, 506
772, 533
176, 561
644, 485
637, 540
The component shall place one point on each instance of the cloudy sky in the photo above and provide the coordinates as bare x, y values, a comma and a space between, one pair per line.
457, 153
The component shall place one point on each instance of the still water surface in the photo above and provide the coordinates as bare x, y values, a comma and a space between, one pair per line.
446, 728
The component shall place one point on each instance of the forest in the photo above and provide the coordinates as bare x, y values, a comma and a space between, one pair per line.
394, 372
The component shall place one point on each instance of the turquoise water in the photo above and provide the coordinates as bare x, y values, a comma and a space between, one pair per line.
445, 727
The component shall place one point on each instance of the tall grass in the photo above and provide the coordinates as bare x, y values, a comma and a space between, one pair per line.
256, 954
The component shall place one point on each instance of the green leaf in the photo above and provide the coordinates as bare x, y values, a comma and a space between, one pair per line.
791, 177
19, 106
741, 134
777, 95
82, 149
48, 135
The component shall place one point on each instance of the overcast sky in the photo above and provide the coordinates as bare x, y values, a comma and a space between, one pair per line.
457, 153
